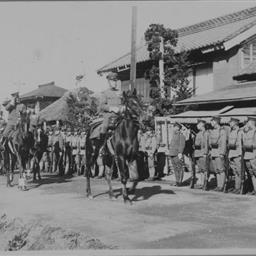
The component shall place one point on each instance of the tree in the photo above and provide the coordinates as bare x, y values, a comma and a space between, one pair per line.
82, 106
176, 69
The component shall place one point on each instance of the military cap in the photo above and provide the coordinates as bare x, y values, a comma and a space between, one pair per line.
233, 119
15, 94
215, 118
177, 124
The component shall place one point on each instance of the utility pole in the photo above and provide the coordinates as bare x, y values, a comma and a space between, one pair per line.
161, 69
133, 48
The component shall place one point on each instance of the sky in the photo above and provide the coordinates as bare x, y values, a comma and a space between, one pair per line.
56, 41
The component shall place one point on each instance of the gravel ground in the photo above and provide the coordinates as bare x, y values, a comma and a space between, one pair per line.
54, 214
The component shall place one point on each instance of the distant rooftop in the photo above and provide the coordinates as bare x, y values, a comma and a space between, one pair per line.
49, 90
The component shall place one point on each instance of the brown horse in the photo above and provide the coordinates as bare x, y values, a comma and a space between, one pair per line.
124, 146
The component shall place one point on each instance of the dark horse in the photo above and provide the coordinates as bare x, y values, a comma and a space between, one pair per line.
40, 146
124, 147
22, 142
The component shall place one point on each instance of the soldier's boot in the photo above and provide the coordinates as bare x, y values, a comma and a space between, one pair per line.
205, 181
237, 184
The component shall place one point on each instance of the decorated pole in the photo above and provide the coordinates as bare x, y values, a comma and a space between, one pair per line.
133, 48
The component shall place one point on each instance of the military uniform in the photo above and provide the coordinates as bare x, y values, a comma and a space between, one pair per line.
176, 148
82, 142
150, 149
110, 100
249, 145
75, 150
141, 156
201, 150
68, 152
218, 150
235, 153
58, 146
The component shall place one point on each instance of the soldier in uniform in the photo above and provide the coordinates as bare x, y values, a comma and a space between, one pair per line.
235, 153
45, 160
249, 145
50, 148
201, 149
75, 147
141, 162
218, 150
176, 148
150, 149
82, 141
58, 145
68, 151
110, 105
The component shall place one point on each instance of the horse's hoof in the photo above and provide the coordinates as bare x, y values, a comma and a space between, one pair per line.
127, 200
90, 197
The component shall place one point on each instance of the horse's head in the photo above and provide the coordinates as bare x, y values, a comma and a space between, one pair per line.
132, 104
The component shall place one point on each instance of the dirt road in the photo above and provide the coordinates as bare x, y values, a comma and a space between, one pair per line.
161, 216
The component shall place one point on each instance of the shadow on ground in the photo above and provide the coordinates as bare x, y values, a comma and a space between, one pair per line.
142, 194
49, 179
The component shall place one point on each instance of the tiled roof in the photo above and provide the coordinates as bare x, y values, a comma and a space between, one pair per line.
240, 92
45, 90
201, 35
249, 70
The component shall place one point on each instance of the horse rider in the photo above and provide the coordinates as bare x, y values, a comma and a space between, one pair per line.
218, 150
176, 148
14, 108
201, 150
110, 105
235, 153
249, 146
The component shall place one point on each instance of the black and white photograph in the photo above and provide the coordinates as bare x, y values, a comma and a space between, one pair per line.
128, 128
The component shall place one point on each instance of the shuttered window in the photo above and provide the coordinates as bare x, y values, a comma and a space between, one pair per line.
248, 53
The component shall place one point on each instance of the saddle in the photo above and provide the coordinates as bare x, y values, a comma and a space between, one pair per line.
95, 128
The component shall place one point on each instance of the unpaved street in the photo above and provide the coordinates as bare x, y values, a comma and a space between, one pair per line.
160, 217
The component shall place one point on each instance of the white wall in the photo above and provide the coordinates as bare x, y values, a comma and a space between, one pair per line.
204, 79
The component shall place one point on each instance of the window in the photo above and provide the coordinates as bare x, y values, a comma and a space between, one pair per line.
248, 53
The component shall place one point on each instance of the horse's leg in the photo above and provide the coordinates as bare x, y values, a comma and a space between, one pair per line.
109, 172
123, 171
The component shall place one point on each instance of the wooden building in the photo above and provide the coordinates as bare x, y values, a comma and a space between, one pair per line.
43, 96
220, 49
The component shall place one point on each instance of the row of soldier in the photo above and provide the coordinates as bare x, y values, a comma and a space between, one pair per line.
65, 152
227, 151
221, 150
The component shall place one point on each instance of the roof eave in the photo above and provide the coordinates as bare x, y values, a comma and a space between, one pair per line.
205, 102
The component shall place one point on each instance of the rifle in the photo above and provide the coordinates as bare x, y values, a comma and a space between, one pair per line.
242, 189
